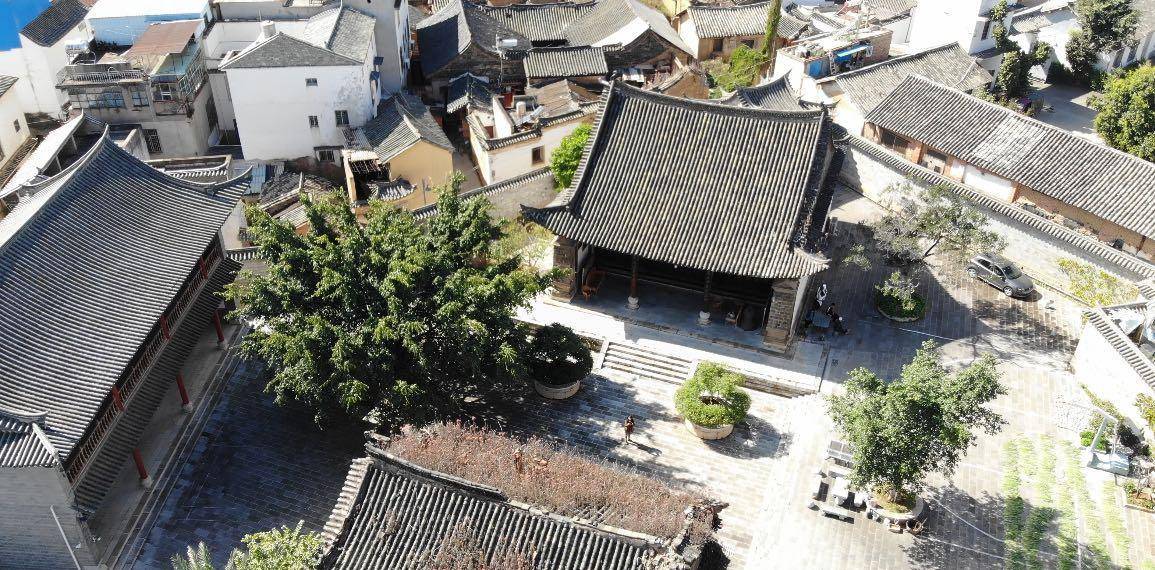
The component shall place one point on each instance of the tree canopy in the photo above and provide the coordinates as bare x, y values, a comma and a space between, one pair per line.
278, 549
770, 41
1107, 25
937, 223
388, 319
1126, 118
565, 158
918, 424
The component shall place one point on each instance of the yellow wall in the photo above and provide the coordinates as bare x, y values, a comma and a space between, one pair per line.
422, 163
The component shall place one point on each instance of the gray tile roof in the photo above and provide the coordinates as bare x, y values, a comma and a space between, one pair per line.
948, 64
340, 36
1105, 182
791, 27
775, 96
55, 22
1126, 348
507, 185
468, 90
730, 21
609, 17
393, 514
540, 22
1038, 17
655, 182
6, 83
20, 445
88, 265
403, 121
452, 29
890, 9
416, 15
565, 62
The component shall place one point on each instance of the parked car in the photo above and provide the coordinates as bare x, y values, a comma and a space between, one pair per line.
1003, 274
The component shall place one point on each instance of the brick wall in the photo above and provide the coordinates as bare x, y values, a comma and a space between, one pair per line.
1035, 244
29, 537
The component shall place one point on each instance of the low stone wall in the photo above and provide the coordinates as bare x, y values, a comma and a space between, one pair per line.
535, 188
1035, 243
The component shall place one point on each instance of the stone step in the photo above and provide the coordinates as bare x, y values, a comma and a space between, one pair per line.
641, 373
656, 358
613, 360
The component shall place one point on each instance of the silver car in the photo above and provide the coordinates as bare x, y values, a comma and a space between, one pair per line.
1003, 274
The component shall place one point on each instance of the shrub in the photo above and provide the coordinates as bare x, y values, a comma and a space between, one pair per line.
1096, 287
278, 548
713, 397
565, 158
914, 307
558, 356
1146, 405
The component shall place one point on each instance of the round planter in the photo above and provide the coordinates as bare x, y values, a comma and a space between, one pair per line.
916, 512
704, 432
556, 392
898, 319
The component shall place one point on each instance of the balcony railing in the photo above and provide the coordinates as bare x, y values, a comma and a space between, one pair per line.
123, 391
76, 74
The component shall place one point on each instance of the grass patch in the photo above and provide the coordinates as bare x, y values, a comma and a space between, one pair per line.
1041, 517
1113, 514
1096, 542
904, 503
1014, 506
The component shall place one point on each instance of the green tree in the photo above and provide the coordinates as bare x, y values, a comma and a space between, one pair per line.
1014, 78
388, 319
998, 15
918, 424
1081, 57
770, 44
1096, 287
557, 356
194, 559
1126, 118
743, 69
1107, 25
565, 158
278, 549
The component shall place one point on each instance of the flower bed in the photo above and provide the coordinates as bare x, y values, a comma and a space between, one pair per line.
893, 309
713, 398
1139, 497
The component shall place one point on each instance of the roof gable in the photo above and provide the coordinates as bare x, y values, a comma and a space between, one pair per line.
654, 182
335, 37
55, 22
88, 265
776, 95
730, 21
948, 64
403, 122
1108, 183
450, 31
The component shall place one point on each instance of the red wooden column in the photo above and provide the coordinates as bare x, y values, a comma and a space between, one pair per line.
185, 403
217, 325
140, 468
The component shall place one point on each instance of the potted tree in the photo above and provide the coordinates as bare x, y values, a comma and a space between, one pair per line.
920, 423
558, 359
712, 401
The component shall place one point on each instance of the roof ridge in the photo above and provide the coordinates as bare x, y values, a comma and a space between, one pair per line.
280, 34
21, 416
892, 60
721, 8
710, 105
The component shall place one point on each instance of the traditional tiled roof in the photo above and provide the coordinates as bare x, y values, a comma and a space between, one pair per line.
1038, 17
890, 9
1105, 182
467, 90
621, 22
88, 265
6, 83
655, 183
948, 64
340, 36
1126, 348
565, 62
416, 16
22, 442
776, 95
562, 97
55, 22
540, 22
507, 185
394, 514
403, 121
730, 21
792, 27
453, 28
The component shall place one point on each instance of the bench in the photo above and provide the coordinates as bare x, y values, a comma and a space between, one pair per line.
835, 511
592, 283
817, 486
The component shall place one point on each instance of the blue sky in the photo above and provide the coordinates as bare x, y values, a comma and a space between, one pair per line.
14, 14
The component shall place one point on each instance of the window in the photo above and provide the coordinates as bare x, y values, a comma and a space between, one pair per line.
325, 155
986, 30
310, 82
139, 96
538, 155
16, 125
96, 98
749, 43
342, 118
892, 141
152, 139
162, 92
935, 161
314, 122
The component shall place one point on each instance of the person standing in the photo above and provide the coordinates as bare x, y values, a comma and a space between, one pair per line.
835, 320
629, 428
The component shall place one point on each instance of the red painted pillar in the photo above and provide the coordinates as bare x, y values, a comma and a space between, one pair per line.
185, 403
164, 327
116, 399
140, 468
217, 325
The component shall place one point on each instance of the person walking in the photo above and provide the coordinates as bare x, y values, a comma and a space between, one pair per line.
629, 428
836, 320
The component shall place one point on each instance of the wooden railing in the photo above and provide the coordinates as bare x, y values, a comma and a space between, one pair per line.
122, 393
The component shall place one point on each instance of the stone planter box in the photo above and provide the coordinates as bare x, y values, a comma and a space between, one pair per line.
556, 392
916, 512
709, 432
898, 319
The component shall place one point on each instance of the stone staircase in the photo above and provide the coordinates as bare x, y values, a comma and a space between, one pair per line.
632, 359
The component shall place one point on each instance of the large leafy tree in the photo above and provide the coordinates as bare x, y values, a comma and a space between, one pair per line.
565, 158
278, 549
921, 423
1126, 118
1107, 25
770, 41
1014, 78
389, 318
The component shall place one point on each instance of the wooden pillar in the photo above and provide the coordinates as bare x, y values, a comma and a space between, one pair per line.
116, 399
704, 314
185, 403
164, 327
633, 299
218, 326
140, 468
